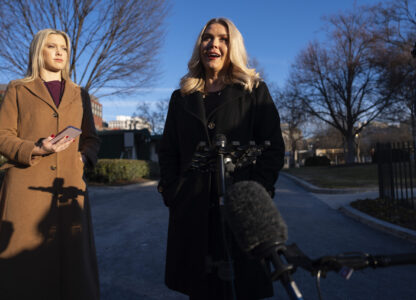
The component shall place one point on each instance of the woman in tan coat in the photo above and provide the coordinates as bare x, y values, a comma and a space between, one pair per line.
47, 248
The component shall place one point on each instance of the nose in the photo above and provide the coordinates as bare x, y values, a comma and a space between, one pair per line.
214, 43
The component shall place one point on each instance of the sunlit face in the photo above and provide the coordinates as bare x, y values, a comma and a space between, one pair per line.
55, 53
214, 48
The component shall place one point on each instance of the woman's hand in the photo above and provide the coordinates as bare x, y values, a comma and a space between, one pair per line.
46, 147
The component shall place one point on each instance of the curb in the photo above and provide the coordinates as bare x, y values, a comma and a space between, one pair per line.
398, 231
404, 233
318, 190
93, 190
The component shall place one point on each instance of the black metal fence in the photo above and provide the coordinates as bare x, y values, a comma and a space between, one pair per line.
396, 173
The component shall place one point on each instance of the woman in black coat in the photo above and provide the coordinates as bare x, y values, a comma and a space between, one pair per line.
219, 95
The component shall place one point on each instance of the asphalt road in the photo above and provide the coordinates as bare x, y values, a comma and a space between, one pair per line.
130, 225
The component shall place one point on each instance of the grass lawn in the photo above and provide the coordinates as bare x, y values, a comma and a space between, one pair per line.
356, 176
342, 176
387, 211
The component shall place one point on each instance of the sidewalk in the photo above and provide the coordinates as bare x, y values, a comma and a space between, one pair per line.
340, 199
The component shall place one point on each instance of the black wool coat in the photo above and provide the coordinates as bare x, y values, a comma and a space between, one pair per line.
242, 116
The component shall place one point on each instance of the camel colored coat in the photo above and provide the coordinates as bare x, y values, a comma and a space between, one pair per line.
46, 239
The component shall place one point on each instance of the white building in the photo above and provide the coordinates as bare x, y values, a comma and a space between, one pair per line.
127, 122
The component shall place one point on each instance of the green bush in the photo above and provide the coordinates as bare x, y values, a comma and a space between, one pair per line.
118, 170
317, 161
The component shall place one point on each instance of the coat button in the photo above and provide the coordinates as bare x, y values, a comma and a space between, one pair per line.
211, 125
55, 115
53, 168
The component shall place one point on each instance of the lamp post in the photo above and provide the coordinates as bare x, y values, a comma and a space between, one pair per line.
357, 144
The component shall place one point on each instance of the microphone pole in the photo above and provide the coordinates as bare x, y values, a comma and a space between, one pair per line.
223, 176
223, 179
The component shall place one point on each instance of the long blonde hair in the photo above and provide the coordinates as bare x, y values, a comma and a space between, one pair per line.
36, 61
238, 70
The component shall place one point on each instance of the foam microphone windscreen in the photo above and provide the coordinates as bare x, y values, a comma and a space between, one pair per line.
253, 217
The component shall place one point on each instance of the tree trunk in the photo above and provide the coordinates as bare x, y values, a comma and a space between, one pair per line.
350, 155
413, 120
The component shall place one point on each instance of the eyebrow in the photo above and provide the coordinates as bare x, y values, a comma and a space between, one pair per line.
209, 34
55, 44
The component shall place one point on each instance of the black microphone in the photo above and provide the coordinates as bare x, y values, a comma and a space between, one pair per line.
220, 144
258, 226
254, 219
220, 140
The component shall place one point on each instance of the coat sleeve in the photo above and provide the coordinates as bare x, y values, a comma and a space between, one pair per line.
267, 128
89, 143
169, 156
15, 149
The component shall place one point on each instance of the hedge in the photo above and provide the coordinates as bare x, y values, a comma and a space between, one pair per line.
314, 161
118, 170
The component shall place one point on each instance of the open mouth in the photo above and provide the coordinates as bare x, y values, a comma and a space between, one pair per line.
213, 55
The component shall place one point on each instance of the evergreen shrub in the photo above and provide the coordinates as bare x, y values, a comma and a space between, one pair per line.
317, 161
118, 170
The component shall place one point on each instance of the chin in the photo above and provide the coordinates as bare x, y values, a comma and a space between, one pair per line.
215, 68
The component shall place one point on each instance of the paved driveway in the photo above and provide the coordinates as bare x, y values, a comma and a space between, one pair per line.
130, 226
320, 230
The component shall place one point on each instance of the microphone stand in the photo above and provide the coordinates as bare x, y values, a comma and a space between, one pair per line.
224, 179
222, 160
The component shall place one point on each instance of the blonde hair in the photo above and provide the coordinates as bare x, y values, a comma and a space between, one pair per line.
36, 61
238, 70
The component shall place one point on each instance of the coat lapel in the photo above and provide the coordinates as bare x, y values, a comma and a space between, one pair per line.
194, 105
70, 94
229, 93
38, 88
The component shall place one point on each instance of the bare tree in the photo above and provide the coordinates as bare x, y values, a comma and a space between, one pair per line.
114, 42
327, 137
338, 81
254, 63
155, 115
292, 116
396, 27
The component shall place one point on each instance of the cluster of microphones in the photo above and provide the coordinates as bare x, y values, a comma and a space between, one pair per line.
261, 232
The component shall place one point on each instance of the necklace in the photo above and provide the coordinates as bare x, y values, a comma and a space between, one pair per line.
211, 93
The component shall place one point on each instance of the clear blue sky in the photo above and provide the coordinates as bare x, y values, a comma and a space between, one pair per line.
274, 31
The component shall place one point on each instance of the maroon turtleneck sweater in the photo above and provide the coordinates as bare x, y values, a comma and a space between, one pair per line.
56, 89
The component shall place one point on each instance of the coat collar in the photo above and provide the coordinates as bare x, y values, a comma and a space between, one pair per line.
194, 104
38, 88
